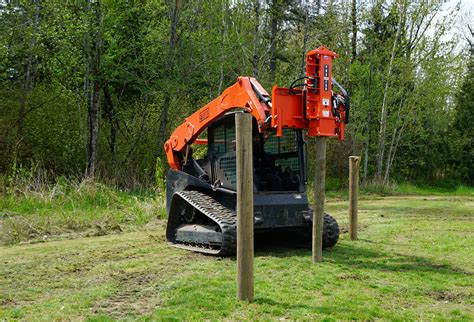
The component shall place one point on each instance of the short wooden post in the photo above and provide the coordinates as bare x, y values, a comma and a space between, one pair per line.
353, 195
243, 128
319, 193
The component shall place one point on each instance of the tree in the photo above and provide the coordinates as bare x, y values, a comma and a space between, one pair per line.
384, 109
93, 51
463, 125
99, 83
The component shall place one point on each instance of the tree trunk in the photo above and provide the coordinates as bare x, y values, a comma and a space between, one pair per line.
389, 156
225, 7
30, 71
390, 162
354, 30
169, 66
384, 113
93, 51
367, 145
394, 141
305, 37
274, 13
164, 118
113, 122
93, 113
368, 125
256, 39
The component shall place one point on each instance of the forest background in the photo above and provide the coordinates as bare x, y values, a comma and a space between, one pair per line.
92, 89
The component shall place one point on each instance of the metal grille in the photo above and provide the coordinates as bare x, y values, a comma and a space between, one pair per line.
224, 139
284, 150
223, 149
228, 165
291, 162
284, 144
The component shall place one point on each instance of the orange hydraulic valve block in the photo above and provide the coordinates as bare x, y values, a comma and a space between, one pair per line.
314, 106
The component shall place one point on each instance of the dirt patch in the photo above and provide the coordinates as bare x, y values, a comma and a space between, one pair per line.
344, 229
137, 295
8, 302
449, 296
451, 268
349, 276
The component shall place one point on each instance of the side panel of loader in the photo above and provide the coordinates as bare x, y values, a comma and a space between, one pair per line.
271, 210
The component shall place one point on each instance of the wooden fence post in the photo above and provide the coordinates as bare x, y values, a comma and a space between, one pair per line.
319, 193
243, 128
353, 195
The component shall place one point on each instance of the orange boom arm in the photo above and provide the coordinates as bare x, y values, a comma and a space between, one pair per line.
313, 107
246, 94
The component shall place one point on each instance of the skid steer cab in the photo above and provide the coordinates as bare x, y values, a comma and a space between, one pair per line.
201, 182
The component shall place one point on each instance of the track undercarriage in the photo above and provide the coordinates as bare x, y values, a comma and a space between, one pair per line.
199, 223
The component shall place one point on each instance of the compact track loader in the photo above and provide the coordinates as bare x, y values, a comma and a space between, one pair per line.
201, 192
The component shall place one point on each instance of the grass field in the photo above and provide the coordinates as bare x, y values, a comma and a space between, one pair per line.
414, 260
70, 209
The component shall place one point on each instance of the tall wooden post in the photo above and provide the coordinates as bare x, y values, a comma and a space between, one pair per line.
243, 128
319, 193
353, 195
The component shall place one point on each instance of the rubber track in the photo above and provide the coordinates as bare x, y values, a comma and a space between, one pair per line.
221, 215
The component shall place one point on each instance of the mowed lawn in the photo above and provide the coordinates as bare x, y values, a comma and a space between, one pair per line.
414, 260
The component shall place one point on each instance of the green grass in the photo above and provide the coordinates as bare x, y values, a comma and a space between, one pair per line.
71, 208
335, 189
413, 260
454, 190
34, 210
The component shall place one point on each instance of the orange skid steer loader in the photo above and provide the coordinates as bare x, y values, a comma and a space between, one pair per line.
201, 193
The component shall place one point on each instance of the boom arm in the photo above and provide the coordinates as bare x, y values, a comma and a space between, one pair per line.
246, 94
313, 107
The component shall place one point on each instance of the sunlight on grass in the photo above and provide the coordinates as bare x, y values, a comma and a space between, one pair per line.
413, 261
